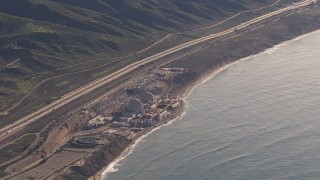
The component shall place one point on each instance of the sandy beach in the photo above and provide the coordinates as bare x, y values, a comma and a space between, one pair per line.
112, 167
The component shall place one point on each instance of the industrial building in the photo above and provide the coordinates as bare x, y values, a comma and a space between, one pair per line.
146, 97
135, 106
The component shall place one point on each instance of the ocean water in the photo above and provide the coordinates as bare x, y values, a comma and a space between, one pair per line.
258, 119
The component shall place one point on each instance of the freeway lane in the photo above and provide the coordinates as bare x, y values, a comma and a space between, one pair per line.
71, 96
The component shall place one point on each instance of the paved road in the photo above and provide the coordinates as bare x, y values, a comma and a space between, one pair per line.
228, 19
8, 130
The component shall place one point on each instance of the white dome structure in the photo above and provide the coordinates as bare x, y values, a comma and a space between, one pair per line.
146, 97
135, 106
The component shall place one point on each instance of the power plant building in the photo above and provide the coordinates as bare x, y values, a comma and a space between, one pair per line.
135, 106
146, 97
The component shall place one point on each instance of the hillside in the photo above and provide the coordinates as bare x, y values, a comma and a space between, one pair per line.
41, 36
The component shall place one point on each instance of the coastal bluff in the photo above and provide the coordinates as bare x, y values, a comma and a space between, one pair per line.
95, 162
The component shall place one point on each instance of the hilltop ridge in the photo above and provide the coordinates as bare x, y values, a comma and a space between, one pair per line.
45, 35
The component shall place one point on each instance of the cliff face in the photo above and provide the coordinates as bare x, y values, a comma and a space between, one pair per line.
98, 160
286, 28
204, 62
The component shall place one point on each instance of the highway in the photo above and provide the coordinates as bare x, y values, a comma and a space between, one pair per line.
80, 92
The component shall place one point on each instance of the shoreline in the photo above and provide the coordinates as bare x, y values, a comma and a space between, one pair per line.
185, 93
129, 150
208, 76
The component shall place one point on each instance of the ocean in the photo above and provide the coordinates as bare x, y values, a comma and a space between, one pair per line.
258, 119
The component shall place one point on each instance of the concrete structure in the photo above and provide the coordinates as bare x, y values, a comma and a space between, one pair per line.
146, 97
95, 123
172, 96
175, 69
174, 106
135, 91
91, 87
161, 72
163, 115
135, 106
139, 123
108, 119
125, 119
148, 122
86, 140
118, 124
143, 94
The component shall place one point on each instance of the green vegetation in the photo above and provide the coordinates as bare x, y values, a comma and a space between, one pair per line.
62, 83
31, 27
57, 37
103, 73
16, 148
3, 103
23, 86
11, 89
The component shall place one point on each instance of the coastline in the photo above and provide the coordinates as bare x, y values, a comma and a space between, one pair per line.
205, 77
129, 150
104, 141
208, 76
